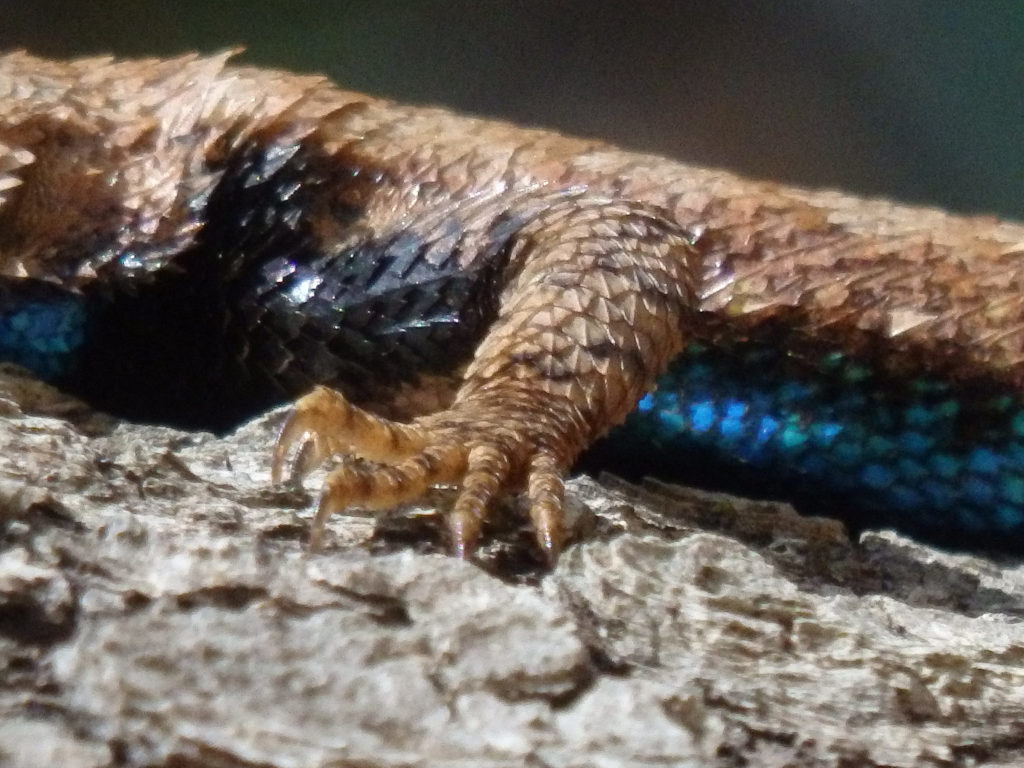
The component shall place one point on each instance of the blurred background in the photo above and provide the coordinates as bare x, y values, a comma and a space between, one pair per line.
918, 101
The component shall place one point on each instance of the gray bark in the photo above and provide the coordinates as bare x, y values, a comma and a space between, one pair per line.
158, 606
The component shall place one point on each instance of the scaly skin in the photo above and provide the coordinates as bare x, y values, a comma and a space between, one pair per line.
597, 266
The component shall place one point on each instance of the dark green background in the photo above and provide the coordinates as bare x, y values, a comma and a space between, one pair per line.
922, 101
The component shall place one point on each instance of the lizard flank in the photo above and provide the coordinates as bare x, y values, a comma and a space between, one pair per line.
464, 302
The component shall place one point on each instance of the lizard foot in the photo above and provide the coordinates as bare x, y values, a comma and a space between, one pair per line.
489, 443
589, 313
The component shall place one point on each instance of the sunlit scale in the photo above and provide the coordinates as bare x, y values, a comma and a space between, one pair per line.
835, 436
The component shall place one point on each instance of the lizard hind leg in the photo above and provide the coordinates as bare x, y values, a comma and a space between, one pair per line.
590, 312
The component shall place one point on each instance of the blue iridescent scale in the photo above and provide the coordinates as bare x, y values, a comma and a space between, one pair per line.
921, 455
43, 333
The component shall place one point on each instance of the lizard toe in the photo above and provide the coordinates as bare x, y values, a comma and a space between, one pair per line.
487, 469
325, 424
377, 486
545, 490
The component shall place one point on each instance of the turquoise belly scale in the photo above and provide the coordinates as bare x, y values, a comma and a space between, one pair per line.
919, 455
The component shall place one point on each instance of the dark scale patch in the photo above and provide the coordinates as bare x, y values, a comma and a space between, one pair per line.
260, 308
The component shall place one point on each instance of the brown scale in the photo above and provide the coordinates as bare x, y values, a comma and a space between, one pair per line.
598, 294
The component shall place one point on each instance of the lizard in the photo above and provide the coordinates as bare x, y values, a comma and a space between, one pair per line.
456, 301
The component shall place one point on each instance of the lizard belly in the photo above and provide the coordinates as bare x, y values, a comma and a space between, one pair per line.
838, 437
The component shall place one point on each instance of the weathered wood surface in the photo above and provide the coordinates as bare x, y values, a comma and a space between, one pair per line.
158, 607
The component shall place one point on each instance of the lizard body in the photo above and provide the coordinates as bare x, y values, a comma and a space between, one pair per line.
183, 236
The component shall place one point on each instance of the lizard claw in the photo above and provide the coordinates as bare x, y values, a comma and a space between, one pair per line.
325, 424
401, 462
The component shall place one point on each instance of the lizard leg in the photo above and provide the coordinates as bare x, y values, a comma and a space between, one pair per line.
590, 313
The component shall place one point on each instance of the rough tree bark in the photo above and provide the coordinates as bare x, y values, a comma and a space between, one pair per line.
158, 606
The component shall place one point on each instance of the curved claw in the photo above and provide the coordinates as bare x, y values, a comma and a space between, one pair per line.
546, 492
329, 504
327, 424
310, 455
288, 437
304, 428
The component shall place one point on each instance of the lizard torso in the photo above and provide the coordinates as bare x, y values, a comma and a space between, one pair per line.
276, 232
